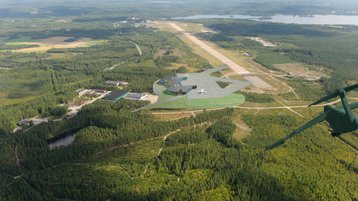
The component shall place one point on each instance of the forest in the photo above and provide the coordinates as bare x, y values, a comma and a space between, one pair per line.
120, 155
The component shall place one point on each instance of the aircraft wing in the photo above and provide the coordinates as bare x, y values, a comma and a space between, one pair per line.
354, 106
309, 124
335, 94
350, 88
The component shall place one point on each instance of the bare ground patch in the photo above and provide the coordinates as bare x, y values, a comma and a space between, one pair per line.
151, 98
301, 70
262, 41
242, 130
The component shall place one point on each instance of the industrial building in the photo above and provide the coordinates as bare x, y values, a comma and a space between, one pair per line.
171, 80
116, 95
174, 86
179, 89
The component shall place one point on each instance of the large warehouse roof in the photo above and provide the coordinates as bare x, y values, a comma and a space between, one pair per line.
116, 95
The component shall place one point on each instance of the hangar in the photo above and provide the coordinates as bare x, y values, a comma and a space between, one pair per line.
116, 95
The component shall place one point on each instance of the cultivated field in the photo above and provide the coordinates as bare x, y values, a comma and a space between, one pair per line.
54, 42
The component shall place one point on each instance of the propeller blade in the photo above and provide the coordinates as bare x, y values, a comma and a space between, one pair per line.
276, 144
326, 98
335, 94
350, 88
353, 106
309, 124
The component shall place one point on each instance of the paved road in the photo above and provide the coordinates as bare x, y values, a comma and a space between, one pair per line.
256, 81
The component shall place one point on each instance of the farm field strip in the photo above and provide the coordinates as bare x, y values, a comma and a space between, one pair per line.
54, 42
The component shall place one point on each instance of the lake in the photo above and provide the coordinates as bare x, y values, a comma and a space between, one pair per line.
62, 142
288, 19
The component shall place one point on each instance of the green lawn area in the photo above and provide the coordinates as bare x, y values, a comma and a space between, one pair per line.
268, 59
185, 103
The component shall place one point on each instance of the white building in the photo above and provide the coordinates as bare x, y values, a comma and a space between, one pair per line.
116, 83
81, 92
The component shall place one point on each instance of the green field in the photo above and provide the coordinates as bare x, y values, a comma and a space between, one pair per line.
181, 103
267, 59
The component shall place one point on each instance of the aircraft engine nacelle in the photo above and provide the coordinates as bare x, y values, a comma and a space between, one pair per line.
336, 134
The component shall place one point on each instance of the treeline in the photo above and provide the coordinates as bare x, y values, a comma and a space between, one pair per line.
305, 161
199, 161
104, 125
141, 76
16, 47
252, 28
89, 33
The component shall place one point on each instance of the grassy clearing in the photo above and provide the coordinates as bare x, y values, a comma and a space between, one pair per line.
269, 59
143, 151
184, 103
242, 130
219, 193
258, 98
307, 90
223, 85
217, 74
9, 101
170, 117
198, 50
179, 66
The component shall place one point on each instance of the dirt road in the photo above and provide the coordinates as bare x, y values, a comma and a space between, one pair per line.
256, 81
249, 108
73, 110
114, 66
138, 48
